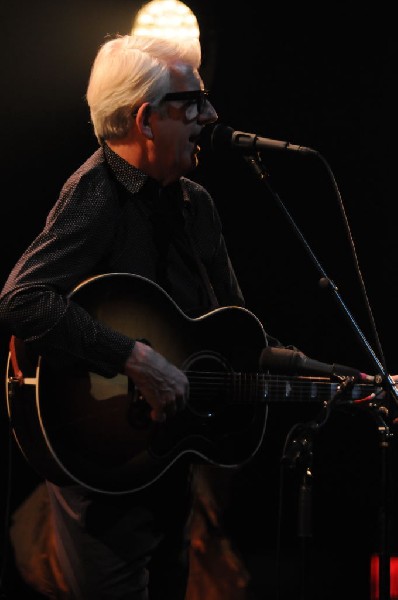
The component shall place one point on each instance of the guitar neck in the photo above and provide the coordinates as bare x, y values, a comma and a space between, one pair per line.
311, 389
240, 388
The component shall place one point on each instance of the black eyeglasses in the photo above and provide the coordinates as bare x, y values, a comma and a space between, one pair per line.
194, 98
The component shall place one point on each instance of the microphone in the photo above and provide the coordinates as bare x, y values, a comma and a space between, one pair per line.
293, 362
224, 137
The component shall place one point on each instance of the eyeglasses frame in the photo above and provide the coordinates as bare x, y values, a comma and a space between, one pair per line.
200, 96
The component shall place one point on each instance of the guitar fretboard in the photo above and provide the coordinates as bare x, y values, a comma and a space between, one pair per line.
254, 387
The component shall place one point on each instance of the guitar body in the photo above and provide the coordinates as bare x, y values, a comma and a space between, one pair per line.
74, 426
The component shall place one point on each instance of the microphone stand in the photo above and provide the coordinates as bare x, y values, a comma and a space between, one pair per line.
381, 378
298, 451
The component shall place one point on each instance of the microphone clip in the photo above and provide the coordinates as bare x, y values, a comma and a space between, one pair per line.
299, 445
254, 161
298, 448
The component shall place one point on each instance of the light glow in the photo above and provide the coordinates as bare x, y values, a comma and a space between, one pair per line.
167, 19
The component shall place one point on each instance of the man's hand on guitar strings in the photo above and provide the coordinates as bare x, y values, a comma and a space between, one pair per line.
163, 385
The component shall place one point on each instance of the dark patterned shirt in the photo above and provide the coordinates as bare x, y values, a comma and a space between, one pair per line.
112, 218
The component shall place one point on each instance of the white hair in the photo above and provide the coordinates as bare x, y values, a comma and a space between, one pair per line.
129, 70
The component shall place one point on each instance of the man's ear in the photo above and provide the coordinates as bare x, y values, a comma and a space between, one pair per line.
143, 119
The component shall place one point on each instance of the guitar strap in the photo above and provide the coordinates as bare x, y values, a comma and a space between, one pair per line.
204, 275
177, 197
201, 268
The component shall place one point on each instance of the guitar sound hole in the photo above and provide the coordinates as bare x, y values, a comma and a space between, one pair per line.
210, 382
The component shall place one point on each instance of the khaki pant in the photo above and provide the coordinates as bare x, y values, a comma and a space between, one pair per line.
216, 570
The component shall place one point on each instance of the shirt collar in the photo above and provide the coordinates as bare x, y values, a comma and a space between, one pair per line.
130, 177
133, 179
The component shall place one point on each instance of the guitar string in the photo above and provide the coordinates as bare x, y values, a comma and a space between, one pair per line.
256, 385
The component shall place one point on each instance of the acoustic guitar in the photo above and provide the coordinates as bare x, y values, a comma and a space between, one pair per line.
75, 426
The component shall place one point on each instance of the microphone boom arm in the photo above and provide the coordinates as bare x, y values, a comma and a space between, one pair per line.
255, 163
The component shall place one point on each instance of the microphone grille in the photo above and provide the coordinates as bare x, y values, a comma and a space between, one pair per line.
282, 360
221, 137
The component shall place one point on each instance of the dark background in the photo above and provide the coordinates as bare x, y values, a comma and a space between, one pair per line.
321, 79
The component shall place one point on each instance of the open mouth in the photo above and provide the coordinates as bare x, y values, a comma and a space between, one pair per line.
194, 139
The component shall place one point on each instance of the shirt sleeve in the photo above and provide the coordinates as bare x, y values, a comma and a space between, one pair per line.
35, 305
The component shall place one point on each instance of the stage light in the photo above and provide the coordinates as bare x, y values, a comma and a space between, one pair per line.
166, 18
